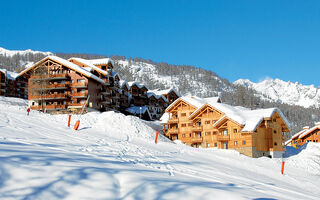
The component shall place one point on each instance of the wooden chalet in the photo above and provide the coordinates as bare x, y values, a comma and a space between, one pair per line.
124, 92
138, 94
156, 105
57, 84
170, 94
12, 84
208, 123
304, 136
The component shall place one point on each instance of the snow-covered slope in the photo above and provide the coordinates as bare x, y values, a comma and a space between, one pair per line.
285, 92
11, 53
114, 156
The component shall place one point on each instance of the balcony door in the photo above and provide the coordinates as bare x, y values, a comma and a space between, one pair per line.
225, 145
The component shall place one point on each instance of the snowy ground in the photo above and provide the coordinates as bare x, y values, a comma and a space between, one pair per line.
113, 156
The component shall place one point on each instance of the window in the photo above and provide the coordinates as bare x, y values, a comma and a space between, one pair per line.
207, 122
225, 132
208, 133
208, 145
190, 124
215, 144
274, 120
183, 114
183, 125
199, 135
243, 142
190, 134
183, 135
275, 144
275, 132
235, 130
213, 121
81, 81
235, 143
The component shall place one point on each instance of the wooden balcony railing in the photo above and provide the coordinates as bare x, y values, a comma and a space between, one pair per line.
172, 131
223, 137
49, 76
48, 96
48, 86
49, 107
173, 120
79, 85
196, 140
197, 128
80, 95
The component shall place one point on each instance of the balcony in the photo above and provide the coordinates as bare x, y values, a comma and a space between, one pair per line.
49, 77
2, 84
79, 85
196, 140
172, 131
80, 95
197, 128
48, 97
105, 92
49, 87
223, 137
173, 121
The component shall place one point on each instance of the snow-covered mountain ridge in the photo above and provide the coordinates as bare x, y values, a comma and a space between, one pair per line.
285, 92
6, 52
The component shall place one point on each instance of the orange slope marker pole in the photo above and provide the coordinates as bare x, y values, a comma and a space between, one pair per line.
76, 126
156, 140
282, 167
69, 120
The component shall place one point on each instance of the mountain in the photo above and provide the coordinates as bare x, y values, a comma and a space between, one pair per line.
113, 156
11, 53
188, 80
284, 92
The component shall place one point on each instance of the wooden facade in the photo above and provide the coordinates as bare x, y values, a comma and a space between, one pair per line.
13, 85
138, 94
306, 135
203, 124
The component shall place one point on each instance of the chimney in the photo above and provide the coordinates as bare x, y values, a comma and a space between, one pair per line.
306, 128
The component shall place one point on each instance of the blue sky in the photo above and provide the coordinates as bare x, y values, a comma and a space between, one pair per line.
235, 39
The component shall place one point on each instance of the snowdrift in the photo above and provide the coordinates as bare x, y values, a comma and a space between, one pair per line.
114, 156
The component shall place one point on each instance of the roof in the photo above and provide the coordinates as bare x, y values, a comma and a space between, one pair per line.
124, 83
139, 85
309, 131
250, 119
150, 94
164, 119
70, 65
138, 110
10, 75
195, 101
90, 64
101, 61
167, 91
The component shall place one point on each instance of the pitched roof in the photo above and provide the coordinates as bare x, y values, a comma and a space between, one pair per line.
139, 85
138, 110
69, 65
167, 91
101, 61
124, 83
195, 101
10, 75
309, 131
150, 94
90, 64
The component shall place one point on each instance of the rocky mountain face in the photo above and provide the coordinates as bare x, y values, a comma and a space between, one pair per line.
284, 92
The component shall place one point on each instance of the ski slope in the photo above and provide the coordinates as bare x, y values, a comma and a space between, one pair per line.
114, 156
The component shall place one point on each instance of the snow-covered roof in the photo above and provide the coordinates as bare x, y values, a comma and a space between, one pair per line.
309, 131
164, 119
139, 85
150, 94
101, 61
114, 74
124, 83
71, 66
137, 110
10, 75
167, 91
89, 64
195, 101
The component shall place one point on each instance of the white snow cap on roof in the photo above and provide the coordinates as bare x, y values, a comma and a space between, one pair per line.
123, 82
89, 64
162, 92
309, 131
164, 119
101, 61
195, 101
138, 110
150, 94
10, 75
139, 85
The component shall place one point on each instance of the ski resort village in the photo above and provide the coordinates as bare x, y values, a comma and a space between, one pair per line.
74, 128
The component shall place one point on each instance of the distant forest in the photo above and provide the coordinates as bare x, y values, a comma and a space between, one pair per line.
188, 80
